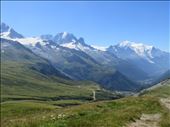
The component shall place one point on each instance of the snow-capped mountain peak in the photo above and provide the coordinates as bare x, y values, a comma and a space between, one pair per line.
139, 48
77, 45
68, 40
125, 43
7, 32
64, 37
128, 49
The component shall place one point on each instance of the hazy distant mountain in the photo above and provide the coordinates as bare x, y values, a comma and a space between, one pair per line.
151, 60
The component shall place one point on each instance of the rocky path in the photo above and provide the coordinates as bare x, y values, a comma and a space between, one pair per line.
146, 120
165, 102
150, 120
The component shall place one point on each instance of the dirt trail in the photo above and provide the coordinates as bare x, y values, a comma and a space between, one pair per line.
150, 120
146, 120
165, 102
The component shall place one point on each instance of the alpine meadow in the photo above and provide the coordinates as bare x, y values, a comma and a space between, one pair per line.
51, 76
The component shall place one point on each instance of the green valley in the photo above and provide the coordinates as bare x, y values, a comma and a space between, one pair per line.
113, 113
59, 80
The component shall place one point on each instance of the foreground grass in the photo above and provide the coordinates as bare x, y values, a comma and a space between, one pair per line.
107, 114
162, 92
165, 121
115, 113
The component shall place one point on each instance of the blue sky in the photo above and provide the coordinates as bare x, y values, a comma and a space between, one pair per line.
100, 23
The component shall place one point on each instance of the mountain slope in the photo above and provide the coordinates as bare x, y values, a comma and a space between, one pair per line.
12, 51
105, 58
26, 76
150, 60
74, 58
80, 61
81, 66
164, 76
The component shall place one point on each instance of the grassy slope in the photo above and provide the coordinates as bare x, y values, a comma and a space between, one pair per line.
26, 76
27, 83
32, 99
162, 92
21, 83
29, 89
115, 113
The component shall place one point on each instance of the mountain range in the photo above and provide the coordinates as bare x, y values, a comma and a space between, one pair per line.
127, 66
